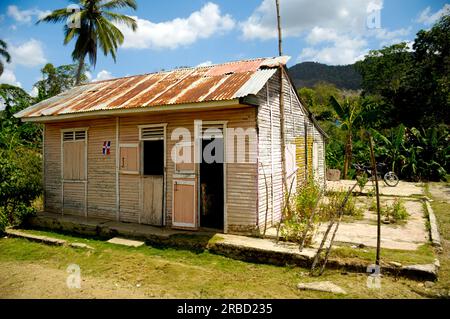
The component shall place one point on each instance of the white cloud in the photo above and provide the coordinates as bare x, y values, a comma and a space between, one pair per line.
34, 92
206, 63
25, 16
298, 16
428, 18
331, 47
29, 54
9, 77
88, 75
102, 75
391, 37
172, 34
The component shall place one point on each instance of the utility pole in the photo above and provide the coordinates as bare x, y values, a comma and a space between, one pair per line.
282, 130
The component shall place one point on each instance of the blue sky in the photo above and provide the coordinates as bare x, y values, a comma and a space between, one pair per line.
175, 33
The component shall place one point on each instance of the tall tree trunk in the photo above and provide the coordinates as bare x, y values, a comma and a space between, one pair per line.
79, 71
348, 154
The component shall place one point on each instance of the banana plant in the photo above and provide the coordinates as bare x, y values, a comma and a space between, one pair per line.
391, 145
349, 113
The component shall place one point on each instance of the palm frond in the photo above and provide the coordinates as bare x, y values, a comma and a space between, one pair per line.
337, 108
5, 54
121, 18
3, 44
380, 137
117, 4
58, 15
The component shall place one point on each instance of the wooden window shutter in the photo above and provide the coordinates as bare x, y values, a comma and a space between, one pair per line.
74, 155
129, 158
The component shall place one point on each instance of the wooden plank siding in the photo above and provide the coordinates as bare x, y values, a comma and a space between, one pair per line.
269, 148
241, 178
52, 162
74, 201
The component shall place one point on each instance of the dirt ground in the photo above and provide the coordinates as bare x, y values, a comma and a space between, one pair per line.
30, 281
35, 270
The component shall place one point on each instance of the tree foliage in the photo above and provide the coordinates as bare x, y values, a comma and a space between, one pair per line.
96, 29
58, 79
404, 104
20, 158
413, 85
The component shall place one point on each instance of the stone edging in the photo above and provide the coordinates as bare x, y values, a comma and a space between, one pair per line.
434, 230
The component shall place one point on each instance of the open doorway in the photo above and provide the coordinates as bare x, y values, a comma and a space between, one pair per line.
153, 182
212, 184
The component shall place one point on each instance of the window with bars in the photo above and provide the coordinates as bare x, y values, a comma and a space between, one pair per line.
74, 136
152, 133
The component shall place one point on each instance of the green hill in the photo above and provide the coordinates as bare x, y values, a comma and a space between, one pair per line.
307, 74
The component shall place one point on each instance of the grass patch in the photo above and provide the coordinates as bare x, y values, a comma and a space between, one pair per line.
163, 273
423, 255
441, 208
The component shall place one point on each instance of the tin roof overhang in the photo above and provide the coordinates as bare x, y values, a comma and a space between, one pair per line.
189, 88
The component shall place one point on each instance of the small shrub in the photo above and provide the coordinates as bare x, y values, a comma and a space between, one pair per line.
362, 181
330, 208
396, 211
350, 208
297, 217
373, 205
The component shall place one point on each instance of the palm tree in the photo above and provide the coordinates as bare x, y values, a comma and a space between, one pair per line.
348, 114
96, 28
4, 54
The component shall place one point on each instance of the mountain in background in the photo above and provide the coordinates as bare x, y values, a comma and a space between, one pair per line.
307, 74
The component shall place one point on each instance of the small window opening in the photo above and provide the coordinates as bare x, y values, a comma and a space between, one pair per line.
154, 157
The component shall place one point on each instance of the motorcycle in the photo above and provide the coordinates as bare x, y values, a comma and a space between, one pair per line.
389, 177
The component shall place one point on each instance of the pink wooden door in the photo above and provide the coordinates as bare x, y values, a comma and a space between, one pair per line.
184, 213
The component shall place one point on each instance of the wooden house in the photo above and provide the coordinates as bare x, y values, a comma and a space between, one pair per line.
114, 149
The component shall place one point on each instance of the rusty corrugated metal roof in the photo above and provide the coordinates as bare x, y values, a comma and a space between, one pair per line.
226, 81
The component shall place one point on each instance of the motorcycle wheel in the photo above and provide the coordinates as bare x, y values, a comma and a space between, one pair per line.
391, 179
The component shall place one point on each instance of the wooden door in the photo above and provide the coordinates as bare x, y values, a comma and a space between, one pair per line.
184, 204
152, 213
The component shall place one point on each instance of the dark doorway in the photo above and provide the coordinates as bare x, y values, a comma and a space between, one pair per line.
153, 183
211, 187
154, 157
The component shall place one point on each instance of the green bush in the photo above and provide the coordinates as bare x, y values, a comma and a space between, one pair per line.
396, 211
373, 205
362, 181
296, 218
330, 208
20, 184
350, 208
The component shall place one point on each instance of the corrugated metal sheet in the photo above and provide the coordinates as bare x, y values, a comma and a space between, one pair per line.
190, 85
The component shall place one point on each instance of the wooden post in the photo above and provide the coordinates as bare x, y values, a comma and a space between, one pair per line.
282, 129
280, 47
375, 174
